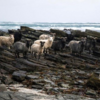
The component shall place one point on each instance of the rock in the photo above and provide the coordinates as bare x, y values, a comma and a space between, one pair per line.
6, 79
32, 76
3, 88
24, 28
29, 64
19, 75
7, 67
59, 33
37, 86
91, 92
65, 85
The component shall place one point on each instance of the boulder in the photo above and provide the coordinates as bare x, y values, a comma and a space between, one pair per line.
19, 75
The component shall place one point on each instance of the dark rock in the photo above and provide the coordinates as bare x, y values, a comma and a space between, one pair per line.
19, 75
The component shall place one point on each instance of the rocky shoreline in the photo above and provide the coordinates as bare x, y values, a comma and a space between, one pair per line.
59, 77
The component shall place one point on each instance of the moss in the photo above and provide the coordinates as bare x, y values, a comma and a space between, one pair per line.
78, 33
59, 33
93, 33
25, 28
93, 82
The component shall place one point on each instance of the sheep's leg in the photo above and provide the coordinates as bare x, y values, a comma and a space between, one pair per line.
39, 55
55, 52
24, 54
44, 50
35, 55
18, 54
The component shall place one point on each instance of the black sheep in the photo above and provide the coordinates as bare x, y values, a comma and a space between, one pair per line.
59, 44
17, 35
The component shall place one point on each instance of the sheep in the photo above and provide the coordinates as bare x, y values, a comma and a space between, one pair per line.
17, 36
20, 47
47, 45
47, 36
59, 44
90, 43
37, 49
76, 46
7, 41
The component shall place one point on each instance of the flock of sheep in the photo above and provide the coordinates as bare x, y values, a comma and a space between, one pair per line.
47, 42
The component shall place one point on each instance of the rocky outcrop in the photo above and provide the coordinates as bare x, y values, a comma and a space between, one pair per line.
63, 73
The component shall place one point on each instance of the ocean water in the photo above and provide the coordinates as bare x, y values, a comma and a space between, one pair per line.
47, 26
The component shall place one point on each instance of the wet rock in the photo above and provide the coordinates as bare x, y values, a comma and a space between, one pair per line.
91, 92
25, 28
37, 86
32, 76
49, 81
19, 75
29, 64
65, 85
3, 88
7, 67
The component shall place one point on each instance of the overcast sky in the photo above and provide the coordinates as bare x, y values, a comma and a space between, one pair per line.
50, 10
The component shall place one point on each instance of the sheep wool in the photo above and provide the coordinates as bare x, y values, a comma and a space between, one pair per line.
6, 41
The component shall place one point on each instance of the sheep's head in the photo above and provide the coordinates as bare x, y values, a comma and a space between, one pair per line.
42, 43
51, 39
12, 36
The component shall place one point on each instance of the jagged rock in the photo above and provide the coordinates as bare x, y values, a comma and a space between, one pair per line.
19, 75
7, 67
29, 64
25, 28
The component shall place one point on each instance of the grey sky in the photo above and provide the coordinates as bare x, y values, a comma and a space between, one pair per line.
50, 10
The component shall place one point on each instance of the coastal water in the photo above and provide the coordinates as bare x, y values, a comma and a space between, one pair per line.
46, 26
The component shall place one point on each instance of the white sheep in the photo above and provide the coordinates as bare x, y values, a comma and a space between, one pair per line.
47, 45
37, 49
6, 41
47, 36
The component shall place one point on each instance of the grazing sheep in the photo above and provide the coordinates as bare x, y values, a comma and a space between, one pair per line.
90, 44
20, 47
6, 41
47, 36
59, 44
76, 46
47, 45
37, 49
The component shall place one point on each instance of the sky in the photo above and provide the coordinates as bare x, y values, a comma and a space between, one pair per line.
50, 11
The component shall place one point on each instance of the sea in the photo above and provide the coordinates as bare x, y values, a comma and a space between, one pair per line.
47, 26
